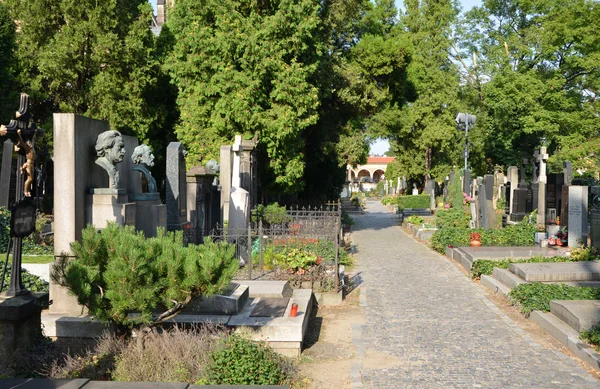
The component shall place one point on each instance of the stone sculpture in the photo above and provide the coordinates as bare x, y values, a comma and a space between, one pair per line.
110, 150
143, 159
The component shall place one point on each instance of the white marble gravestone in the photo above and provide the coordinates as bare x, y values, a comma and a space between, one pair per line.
578, 215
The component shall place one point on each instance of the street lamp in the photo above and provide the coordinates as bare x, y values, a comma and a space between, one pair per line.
466, 119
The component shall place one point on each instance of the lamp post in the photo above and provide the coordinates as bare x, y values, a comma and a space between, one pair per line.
466, 119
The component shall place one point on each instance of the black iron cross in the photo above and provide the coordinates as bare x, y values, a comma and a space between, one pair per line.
22, 132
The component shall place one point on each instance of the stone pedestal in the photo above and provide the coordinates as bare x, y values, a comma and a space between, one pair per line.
109, 205
150, 213
20, 324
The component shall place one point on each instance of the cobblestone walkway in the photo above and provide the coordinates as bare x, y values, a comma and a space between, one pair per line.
436, 326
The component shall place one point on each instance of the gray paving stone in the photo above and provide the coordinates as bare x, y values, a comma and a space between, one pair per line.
438, 326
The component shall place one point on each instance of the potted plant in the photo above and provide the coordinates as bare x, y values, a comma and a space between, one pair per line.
475, 238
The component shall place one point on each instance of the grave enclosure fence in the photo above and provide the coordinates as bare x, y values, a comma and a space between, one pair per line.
316, 227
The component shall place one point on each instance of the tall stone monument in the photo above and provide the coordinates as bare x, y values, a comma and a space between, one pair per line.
199, 197
76, 179
176, 187
239, 202
541, 185
488, 181
520, 196
513, 180
578, 216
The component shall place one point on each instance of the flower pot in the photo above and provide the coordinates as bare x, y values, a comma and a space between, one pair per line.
475, 243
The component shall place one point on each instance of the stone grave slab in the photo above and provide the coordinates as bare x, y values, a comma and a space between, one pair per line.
581, 315
44, 383
267, 288
135, 385
230, 302
270, 307
558, 271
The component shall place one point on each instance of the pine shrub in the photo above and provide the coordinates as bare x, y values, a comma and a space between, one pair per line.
123, 277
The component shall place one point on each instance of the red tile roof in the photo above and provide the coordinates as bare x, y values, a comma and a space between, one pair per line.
380, 160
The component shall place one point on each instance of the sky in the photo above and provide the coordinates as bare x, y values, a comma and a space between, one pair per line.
380, 146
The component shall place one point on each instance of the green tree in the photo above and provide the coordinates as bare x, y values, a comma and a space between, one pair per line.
246, 67
536, 76
426, 137
9, 99
95, 58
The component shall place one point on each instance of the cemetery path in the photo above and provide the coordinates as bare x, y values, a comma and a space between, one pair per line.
428, 326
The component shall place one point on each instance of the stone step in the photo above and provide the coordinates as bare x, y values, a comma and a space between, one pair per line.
507, 278
557, 271
494, 285
581, 315
567, 336
416, 211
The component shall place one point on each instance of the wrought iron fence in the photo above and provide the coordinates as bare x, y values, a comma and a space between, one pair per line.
319, 226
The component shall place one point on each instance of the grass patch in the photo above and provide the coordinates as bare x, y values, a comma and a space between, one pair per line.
536, 296
41, 259
486, 266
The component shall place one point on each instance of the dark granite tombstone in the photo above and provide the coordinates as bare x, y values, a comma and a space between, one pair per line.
529, 200
564, 207
483, 204
567, 172
595, 218
554, 192
508, 196
467, 182
488, 181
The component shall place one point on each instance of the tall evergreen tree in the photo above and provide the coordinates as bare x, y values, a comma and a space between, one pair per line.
9, 99
248, 67
95, 58
426, 143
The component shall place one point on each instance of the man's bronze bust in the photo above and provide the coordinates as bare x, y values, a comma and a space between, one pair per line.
110, 150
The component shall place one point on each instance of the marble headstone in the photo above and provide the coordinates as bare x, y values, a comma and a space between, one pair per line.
578, 216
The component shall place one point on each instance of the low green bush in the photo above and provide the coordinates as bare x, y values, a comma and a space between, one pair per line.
592, 336
415, 219
450, 236
414, 201
31, 282
387, 200
521, 234
347, 219
486, 266
271, 214
452, 217
240, 361
279, 251
536, 296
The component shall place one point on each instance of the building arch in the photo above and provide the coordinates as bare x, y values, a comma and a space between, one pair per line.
363, 173
378, 175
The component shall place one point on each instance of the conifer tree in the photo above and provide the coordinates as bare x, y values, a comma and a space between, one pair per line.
124, 278
426, 141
